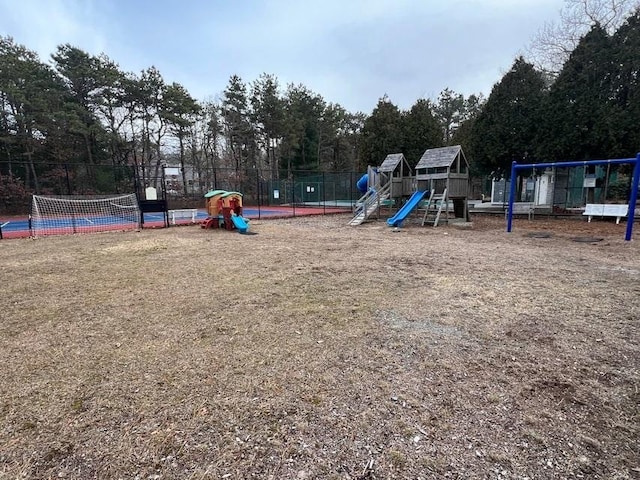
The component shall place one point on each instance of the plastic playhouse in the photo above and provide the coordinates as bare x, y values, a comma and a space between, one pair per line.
224, 210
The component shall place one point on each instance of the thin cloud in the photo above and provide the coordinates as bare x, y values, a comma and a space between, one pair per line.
42, 26
350, 52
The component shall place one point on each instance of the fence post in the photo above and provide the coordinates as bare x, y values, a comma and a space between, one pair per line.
351, 190
293, 192
66, 173
259, 185
512, 195
324, 195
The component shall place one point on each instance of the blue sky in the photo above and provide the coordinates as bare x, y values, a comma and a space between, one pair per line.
351, 52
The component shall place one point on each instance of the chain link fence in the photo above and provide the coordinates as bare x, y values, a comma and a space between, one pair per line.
20, 180
181, 188
565, 189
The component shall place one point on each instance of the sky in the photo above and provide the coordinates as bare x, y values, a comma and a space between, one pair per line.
352, 52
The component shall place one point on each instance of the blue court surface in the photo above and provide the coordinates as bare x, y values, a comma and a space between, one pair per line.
17, 227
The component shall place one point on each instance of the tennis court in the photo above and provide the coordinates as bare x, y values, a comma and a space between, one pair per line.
18, 227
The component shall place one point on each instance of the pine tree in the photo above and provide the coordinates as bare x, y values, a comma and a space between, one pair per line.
238, 130
32, 116
268, 117
625, 89
81, 74
420, 131
576, 112
303, 114
179, 110
505, 129
382, 132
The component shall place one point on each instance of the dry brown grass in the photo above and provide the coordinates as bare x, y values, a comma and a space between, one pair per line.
317, 350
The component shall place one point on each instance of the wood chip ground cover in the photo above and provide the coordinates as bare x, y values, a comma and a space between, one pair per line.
318, 350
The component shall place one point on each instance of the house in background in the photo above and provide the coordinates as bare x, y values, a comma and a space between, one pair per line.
174, 183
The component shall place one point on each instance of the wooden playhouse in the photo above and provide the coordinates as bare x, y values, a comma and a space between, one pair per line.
444, 172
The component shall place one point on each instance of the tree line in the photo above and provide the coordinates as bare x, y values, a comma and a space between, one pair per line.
588, 111
83, 109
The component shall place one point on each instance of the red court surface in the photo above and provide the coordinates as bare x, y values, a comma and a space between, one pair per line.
18, 226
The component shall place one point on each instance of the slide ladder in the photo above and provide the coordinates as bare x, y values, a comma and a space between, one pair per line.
435, 205
369, 203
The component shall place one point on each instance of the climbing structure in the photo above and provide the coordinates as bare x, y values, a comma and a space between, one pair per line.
224, 209
444, 172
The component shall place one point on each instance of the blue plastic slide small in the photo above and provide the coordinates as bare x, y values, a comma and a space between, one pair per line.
240, 223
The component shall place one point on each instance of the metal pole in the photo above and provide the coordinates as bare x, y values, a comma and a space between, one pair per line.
324, 195
293, 192
115, 176
136, 186
259, 190
606, 183
164, 197
613, 161
512, 195
633, 198
66, 174
351, 200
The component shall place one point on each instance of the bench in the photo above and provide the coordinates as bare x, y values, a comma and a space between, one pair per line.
521, 208
183, 213
606, 210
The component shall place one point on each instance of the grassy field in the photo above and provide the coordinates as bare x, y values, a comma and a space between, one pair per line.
317, 350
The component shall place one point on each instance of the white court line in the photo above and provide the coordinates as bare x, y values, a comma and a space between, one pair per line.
5, 224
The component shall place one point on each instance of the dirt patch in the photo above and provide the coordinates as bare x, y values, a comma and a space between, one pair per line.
319, 350
587, 239
539, 234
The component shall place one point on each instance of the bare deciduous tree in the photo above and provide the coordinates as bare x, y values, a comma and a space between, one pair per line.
551, 46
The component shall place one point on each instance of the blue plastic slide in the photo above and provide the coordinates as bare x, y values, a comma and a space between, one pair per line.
406, 209
361, 184
240, 223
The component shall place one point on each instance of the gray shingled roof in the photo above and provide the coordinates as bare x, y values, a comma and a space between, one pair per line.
439, 157
391, 162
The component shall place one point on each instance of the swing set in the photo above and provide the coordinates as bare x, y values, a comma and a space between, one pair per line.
633, 197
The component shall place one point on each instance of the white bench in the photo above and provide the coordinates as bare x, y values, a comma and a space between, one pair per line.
606, 210
521, 208
183, 213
